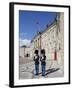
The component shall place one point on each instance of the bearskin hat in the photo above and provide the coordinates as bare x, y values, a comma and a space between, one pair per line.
36, 52
42, 51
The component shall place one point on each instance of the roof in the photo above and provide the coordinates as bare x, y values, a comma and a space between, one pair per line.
24, 46
36, 36
47, 28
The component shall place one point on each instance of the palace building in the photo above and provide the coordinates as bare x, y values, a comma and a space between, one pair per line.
51, 39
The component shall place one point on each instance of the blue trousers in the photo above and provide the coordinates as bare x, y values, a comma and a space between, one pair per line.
37, 69
43, 67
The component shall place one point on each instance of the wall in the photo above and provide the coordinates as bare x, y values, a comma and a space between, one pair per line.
48, 42
24, 51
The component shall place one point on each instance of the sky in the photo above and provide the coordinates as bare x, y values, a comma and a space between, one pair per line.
30, 22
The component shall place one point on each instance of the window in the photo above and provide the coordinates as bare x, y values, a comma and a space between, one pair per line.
59, 46
38, 43
34, 44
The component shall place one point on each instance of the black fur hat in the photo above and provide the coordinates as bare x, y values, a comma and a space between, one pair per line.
43, 51
36, 52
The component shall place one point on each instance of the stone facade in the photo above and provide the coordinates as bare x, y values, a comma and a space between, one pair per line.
60, 42
51, 39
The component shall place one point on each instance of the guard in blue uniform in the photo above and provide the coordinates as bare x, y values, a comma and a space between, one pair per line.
43, 62
36, 59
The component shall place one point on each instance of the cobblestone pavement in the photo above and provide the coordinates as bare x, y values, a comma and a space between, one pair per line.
25, 60
53, 69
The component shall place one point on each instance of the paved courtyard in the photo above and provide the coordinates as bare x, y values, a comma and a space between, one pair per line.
53, 69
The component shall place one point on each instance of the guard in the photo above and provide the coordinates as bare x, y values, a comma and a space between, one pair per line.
43, 62
36, 59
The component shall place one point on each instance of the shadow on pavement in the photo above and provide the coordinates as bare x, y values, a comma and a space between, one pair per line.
51, 70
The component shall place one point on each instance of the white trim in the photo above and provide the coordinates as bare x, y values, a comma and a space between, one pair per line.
16, 45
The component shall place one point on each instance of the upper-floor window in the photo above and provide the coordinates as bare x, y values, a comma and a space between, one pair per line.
38, 42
